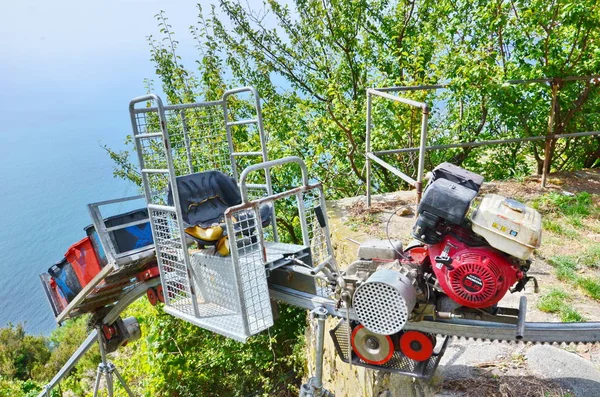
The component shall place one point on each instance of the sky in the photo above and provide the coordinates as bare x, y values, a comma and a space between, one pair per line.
64, 54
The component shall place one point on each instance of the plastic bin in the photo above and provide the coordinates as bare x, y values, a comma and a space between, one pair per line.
82, 258
60, 300
65, 279
127, 239
100, 254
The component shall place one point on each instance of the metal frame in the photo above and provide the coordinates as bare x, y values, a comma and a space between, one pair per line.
94, 336
227, 295
385, 92
108, 244
124, 264
314, 386
172, 214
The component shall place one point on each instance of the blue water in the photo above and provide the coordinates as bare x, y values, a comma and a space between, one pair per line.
51, 166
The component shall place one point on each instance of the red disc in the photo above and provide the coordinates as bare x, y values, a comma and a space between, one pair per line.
416, 345
159, 293
109, 331
152, 298
380, 351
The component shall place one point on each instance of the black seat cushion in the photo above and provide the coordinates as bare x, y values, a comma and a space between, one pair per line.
204, 197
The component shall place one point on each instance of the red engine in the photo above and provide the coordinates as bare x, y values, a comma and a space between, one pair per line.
474, 277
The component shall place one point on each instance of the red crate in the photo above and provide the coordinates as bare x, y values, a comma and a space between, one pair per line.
82, 258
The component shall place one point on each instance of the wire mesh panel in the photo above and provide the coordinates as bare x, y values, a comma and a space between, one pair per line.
317, 230
200, 286
170, 252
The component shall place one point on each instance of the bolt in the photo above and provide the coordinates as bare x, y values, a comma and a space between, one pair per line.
372, 343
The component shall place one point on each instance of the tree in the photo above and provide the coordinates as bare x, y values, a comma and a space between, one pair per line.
21, 354
312, 64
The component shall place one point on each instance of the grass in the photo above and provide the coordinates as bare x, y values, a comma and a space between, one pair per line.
356, 223
578, 205
590, 287
553, 301
563, 214
570, 315
566, 267
566, 270
557, 301
558, 228
576, 221
591, 257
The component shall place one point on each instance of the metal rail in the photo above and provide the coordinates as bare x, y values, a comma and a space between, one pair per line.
533, 331
385, 92
266, 166
422, 143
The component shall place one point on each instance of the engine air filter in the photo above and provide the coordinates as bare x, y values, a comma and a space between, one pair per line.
384, 302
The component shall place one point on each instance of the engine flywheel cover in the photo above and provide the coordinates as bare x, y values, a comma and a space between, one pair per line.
370, 347
479, 277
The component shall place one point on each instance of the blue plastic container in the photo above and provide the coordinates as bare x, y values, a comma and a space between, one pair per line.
66, 279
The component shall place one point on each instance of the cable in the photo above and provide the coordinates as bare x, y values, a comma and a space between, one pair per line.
387, 231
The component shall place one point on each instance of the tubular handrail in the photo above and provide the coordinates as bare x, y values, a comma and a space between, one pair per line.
406, 101
267, 166
370, 156
240, 90
385, 92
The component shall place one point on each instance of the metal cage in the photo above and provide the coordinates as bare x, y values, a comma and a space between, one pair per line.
228, 295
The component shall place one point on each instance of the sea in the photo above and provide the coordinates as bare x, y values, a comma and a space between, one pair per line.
51, 165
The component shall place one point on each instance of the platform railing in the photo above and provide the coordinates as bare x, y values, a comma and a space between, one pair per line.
387, 93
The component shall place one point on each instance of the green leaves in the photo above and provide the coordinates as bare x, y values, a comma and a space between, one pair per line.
177, 358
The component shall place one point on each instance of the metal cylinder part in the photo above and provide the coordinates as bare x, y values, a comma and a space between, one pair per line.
384, 302
133, 329
521, 318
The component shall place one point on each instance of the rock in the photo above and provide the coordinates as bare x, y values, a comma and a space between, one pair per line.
405, 211
567, 369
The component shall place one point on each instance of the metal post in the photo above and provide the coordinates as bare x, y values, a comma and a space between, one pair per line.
547, 148
123, 383
80, 352
314, 386
368, 149
321, 314
422, 152
103, 366
107, 369
97, 384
